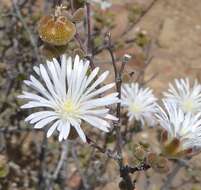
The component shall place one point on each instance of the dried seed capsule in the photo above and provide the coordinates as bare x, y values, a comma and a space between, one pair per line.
158, 163
162, 165
56, 30
152, 159
139, 153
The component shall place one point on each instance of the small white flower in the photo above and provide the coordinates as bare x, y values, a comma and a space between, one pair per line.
104, 4
183, 126
139, 102
69, 95
186, 95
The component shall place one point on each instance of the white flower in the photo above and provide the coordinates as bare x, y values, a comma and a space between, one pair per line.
183, 126
186, 95
139, 102
104, 4
69, 95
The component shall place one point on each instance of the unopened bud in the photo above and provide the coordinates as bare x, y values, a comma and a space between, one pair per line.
140, 153
122, 185
126, 58
164, 136
172, 148
152, 159
184, 153
162, 165
158, 163
126, 78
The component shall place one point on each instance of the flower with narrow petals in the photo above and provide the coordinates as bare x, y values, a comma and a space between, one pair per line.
183, 129
69, 95
186, 95
139, 102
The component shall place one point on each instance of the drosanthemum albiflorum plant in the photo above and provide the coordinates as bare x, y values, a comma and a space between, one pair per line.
69, 95
139, 102
185, 94
182, 131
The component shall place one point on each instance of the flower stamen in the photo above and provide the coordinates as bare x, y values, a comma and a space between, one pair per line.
135, 108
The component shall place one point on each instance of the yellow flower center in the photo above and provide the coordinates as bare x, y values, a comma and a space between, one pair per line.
69, 109
135, 108
68, 106
188, 105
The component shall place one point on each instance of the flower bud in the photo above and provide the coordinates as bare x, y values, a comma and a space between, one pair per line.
162, 165
139, 153
126, 57
126, 78
171, 148
158, 163
164, 136
122, 185
152, 159
184, 153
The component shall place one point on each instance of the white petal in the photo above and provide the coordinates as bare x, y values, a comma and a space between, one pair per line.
65, 130
44, 122
52, 129
111, 117
100, 79
97, 122
33, 115
80, 133
99, 91
43, 116
33, 104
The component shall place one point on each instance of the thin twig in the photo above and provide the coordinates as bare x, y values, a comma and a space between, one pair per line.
109, 153
150, 79
128, 29
31, 37
62, 159
124, 172
110, 50
42, 180
143, 14
17, 130
89, 42
88, 19
72, 6
78, 39
58, 174
118, 88
77, 162
171, 176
